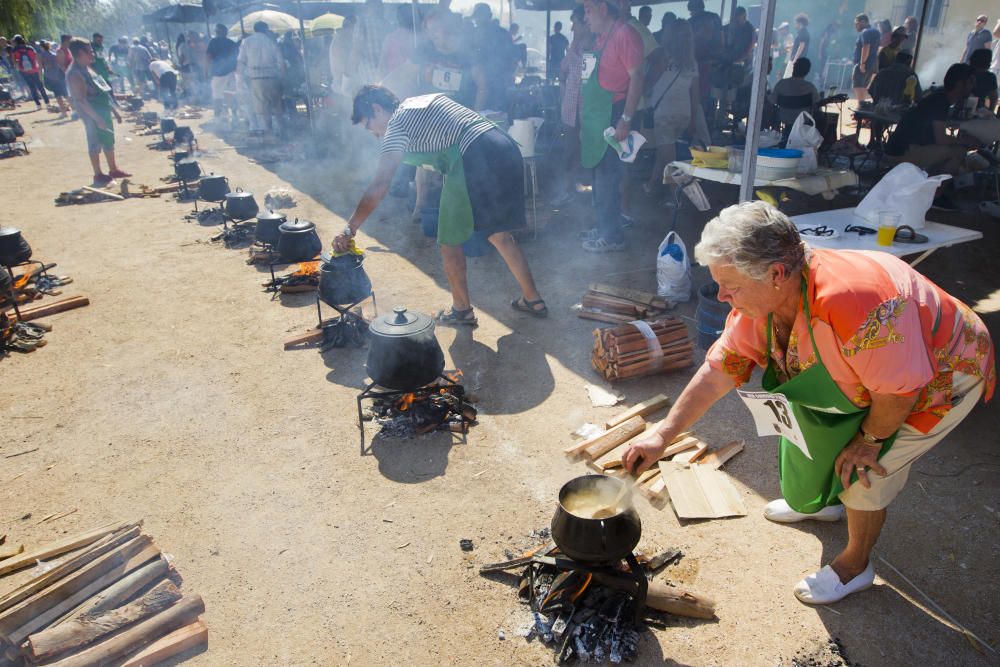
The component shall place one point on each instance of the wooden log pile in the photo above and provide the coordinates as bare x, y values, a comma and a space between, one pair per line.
607, 303
111, 598
624, 351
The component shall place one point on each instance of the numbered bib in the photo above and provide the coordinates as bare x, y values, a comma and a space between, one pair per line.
772, 414
589, 63
444, 78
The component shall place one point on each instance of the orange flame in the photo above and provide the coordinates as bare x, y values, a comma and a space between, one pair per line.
455, 376
405, 401
307, 269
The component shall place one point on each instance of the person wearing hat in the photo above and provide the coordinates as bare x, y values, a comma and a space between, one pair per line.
979, 38
26, 62
612, 86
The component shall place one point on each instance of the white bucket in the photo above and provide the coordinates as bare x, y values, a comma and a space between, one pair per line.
523, 131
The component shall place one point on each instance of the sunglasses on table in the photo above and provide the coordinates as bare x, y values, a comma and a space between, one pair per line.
861, 231
822, 230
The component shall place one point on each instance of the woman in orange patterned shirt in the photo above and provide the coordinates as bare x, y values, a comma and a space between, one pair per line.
867, 365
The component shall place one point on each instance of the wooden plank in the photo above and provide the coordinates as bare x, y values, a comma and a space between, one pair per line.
700, 492
172, 644
28, 314
678, 601
647, 407
60, 547
600, 316
122, 590
10, 550
645, 488
679, 444
312, 336
614, 437
576, 449
688, 456
715, 458
613, 457
639, 296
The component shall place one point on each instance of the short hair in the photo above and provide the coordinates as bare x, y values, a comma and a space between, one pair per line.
863, 18
367, 97
801, 67
645, 9
741, 10
956, 74
802, 18
752, 237
221, 27
260, 26
557, 26
904, 58
980, 59
578, 13
96, 35
65, 38
696, 4
18, 39
78, 45
482, 9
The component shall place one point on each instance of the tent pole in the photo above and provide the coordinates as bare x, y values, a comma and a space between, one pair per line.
760, 55
243, 30
305, 66
924, 10
170, 41
548, 32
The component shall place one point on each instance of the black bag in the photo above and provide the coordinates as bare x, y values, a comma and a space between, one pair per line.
648, 113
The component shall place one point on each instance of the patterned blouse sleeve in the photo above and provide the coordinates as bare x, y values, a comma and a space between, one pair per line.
739, 348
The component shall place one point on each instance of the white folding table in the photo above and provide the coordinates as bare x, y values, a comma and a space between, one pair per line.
938, 235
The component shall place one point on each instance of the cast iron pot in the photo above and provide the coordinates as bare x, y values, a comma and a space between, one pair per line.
595, 540
187, 170
13, 248
299, 241
150, 118
213, 188
183, 135
167, 124
343, 280
134, 103
241, 205
7, 135
268, 229
403, 352
6, 282
180, 155
13, 124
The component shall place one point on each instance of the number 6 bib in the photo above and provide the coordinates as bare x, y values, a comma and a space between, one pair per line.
772, 414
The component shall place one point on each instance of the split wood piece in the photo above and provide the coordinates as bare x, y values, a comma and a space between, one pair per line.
59, 306
10, 550
689, 456
645, 488
46, 606
678, 601
79, 632
294, 289
131, 639
121, 591
715, 458
608, 439
699, 492
647, 407
657, 490
172, 644
61, 547
639, 296
613, 303
600, 316
667, 355
649, 368
110, 195
613, 459
597, 463
677, 339
312, 336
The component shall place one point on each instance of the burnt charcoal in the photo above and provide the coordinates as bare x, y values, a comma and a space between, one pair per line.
466, 545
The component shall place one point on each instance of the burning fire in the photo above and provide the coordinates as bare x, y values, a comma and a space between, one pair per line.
307, 269
405, 401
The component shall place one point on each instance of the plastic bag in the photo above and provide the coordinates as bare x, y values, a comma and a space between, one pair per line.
906, 190
807, 138
690, 186
673, 270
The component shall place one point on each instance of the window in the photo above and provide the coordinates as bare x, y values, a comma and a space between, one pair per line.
937, 12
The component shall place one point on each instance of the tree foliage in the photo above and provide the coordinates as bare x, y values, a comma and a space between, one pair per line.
37, 19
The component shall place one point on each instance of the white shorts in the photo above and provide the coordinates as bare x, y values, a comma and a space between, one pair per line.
223, 85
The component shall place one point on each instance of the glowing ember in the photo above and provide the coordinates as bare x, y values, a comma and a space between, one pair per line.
307, 268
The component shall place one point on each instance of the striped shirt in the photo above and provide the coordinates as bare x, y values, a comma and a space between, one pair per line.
432, 123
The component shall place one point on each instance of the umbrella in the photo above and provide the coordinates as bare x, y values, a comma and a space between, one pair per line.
278, 22
325, 24
179, 13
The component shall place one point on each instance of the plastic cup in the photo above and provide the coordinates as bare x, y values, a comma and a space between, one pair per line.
888, 221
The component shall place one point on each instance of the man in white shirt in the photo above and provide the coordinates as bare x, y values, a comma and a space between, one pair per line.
165, 77
261, 65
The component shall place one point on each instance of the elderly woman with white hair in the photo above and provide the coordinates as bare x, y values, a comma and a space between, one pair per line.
867, 365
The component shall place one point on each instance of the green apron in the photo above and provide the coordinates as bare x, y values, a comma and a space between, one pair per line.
99, 96
595, 115
828, 421
455, 222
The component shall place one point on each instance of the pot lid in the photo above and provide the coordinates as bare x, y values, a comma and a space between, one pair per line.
239, 194
9, 231
297, 226
402, 322
268, 214
212, 177
188, 160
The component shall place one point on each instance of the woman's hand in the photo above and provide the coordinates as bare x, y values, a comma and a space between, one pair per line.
342, 243
859, 456
621, 130
643, 453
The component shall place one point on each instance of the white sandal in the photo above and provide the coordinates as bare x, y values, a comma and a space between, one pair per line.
780, 512
824, 587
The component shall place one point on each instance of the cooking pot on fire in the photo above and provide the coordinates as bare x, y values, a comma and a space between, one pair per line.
268, 229
180, 155
7, 135
150, 118
241, 205
13, 248
213, 188
403, 352
343, 280
592, 540
183, 135
134, 103
167, 124
187, 170
299, 241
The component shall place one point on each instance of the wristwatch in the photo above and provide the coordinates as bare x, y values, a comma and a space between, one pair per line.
871, 439
626, 118
348, 231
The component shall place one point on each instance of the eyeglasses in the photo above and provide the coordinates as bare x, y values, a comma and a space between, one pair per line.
862, 231
822, 230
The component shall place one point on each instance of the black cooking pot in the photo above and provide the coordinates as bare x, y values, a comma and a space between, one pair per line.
7, 135
177, 156
6, 282
13, 248
213, 188
13, 124
134, 103
299, 241
268, 229
594, 540
167, 124
403, 352
183, 135
150, 118
343, 280
187, 170
241, 205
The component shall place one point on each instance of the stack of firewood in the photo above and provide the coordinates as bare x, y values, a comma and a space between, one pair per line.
625, 352
607, 303
112, 598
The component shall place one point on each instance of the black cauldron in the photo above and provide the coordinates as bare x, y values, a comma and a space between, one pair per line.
134, 103
213, 188
177, 156
6, 282
150, 118
594, 540
403, 352
7, 135
13, 124
13, 248
167, 124
241, 205
187, 170
268, 229
343, 280
298, 241
183, 135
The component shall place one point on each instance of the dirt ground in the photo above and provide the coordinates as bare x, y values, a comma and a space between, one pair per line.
170, 398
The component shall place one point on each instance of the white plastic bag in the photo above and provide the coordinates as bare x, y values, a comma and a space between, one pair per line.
673, 270
906, 190
806, 138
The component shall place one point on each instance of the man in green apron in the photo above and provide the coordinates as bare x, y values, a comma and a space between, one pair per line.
612, 86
